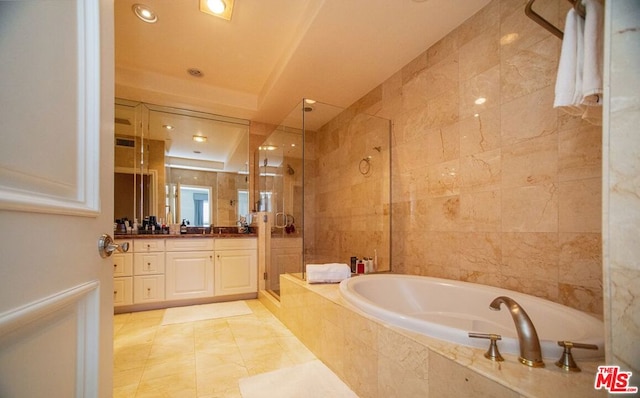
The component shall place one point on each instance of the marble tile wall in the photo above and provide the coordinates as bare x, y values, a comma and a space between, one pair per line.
504, 191
621, 182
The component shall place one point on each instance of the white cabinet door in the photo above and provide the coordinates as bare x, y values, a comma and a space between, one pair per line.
123, 291
148, 288
189, 275
148, 263
122, 264
236, 272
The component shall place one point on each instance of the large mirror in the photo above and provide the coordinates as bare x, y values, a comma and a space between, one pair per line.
175, 164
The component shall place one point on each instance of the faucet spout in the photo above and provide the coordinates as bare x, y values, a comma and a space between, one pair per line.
530, 352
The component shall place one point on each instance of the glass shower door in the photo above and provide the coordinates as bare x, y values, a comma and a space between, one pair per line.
280, 166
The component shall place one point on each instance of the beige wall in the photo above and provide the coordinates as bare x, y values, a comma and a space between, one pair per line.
506, 193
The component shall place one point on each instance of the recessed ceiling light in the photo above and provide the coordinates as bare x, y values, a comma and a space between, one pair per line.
309, 101
145, 13
218, 8
199, 138
167, 126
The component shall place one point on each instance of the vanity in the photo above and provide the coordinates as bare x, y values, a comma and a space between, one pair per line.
160, 271
178, 166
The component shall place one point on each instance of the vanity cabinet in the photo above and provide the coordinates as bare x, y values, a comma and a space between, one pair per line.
161, 272
122, 276
148, 271
236, 266
189, 270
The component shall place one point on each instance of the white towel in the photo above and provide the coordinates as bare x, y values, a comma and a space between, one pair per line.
579, 79
327, 273
569, 78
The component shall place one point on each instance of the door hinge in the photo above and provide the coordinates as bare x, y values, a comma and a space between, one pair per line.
265, 276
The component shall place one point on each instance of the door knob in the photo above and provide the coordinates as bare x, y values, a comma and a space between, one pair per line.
106, 246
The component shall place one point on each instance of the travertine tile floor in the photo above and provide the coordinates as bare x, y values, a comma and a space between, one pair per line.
201, 359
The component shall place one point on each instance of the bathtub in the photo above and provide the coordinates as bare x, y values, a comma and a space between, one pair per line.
448, 310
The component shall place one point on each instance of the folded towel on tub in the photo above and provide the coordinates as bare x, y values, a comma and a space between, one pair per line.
327, 273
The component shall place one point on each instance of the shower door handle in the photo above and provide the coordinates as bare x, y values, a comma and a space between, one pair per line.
281, 216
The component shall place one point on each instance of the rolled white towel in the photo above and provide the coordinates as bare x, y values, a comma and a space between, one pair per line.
327, 273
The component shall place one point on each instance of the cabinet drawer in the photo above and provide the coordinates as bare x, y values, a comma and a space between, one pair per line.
148, 245
148, 289
148, 263
235, 243
122, 291
189, 244
122, 264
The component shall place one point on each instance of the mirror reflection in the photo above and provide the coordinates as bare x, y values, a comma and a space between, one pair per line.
176, 164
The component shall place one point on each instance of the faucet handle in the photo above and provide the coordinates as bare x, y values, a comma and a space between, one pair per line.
492, 353
566, 361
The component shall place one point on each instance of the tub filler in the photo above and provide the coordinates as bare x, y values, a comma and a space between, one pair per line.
448, 310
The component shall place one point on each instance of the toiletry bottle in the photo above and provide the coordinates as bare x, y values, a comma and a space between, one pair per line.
360, 267
183, 227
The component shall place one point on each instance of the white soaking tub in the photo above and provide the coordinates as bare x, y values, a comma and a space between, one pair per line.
448, 310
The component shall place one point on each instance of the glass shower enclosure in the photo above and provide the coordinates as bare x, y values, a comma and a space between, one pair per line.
324, 180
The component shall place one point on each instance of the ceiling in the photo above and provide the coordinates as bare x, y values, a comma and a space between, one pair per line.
273, 53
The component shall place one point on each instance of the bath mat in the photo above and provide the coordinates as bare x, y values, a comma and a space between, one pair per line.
205, 311
310, 380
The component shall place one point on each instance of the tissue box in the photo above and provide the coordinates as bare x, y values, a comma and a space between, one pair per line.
327, 273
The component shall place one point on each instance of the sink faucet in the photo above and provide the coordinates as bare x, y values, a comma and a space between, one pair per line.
530, 352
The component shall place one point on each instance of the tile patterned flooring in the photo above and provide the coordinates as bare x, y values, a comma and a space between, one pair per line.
203, 359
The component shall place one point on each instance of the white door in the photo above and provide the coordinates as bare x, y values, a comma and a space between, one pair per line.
56, 197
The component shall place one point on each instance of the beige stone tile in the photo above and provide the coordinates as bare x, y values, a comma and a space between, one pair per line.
127, 378
480, 252
444, 213
415, 66
443, 48
402, 367
126, 391
530, 209
530, 69
442, 144
442, 110
178, 385
480, 211
580, 259
133, 333
583, 298
528, 117
442, 77
579, 205
580, 153
131, 356
480, 133
531, 256
517, 31
361, 367
442, 249
444, 178
480, 53
480, 93
530, 162
485, 19
182, 367
449, 379
481, 171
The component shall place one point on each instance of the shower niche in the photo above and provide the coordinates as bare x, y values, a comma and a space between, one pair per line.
322, 205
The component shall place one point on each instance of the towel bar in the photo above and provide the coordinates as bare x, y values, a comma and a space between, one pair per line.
537, 18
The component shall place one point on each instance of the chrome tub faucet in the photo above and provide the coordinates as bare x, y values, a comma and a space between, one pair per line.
530, 352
